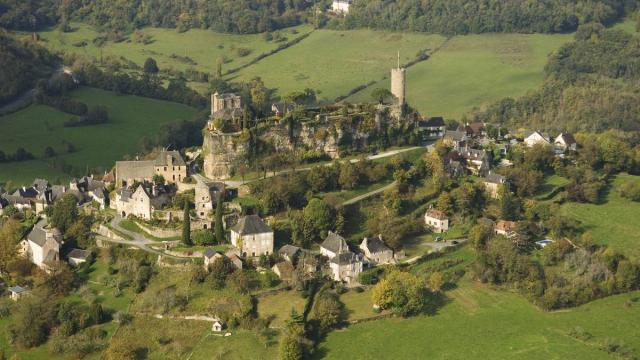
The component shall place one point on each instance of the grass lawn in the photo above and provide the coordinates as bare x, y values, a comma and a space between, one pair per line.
419, 244
473, 70
614, 222
551, 183
204, 47
480, 322
242, 345
358, 305
334, 62
628, 25
279, 306
37, 127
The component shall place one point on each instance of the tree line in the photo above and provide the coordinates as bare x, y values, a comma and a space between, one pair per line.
591, 86
480, 16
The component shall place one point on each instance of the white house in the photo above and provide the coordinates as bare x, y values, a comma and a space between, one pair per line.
436, 220
252, 236
376, 251
346, 266
217, 326
341, 6
565, 142
534, 138
43, 245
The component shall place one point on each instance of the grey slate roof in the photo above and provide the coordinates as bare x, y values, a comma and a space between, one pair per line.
79, 254
495, 178
455, 135
376, 244
16, 199
161, 159
345, 258
134, 169
335, 243
209, 253
251, 224
38, 235
17, 289
40, 184
289, 250
436, 121
26, 192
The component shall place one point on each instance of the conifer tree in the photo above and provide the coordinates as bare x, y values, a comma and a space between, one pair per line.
186, 225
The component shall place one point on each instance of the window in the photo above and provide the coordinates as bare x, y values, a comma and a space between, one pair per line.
165, 168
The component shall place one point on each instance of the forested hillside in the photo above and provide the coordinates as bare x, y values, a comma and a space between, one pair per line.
592, 85
236, 16
479, 16
21, 64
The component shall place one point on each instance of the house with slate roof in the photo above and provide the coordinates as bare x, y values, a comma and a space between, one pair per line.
206, 195
455, 139
333, 245
478, 162
43, 245
535, 137
437, 220
432, 128
289, 253
343, 263
376, 251
252, 236
140, 203
565, 142
210, 256
168, 164
493, 183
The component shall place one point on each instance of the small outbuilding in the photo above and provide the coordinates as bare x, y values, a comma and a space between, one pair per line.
218, 325
78, 256
17, 292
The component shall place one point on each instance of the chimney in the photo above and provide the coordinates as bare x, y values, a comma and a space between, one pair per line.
154, 190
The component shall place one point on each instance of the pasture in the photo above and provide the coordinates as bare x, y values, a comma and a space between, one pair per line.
480, 322
169, 47
474, 70
38, 126
614, 222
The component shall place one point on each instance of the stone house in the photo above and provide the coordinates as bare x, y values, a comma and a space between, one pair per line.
206, 195
280, 109
437, 220
210, 256
140, 203
478, 162
169, 164
473, 130
289, 252
285, 272
455, 139
252, 236
333, 245
432, 129
493, 183
376, 251
42, 245
346, 266
18, 202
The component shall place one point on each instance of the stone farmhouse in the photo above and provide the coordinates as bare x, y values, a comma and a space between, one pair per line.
206, 195
473, 130
210, 256
343, 263
289, 253
376, 251
252, 236
432, 129
493, 183
168, 164
42, 245
478, 162
141, 202
437, 220
455, 139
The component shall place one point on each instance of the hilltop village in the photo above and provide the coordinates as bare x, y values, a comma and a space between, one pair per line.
287, 204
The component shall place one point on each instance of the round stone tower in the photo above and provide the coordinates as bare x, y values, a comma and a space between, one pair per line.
398, 84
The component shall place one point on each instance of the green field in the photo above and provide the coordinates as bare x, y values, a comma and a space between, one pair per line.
483, 323
203, 46
38, 126
334, 62
474, 70
615, 222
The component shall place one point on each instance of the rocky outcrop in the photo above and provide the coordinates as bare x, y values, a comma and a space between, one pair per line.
221, 150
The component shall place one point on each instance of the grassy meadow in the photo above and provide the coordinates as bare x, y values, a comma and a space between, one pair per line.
474, 70
334, 62
614, 222
167, 46
39, 126
480, 322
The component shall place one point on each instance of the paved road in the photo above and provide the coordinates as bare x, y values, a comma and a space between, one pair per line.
25, 98
236, 183
369, 194
436, 247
